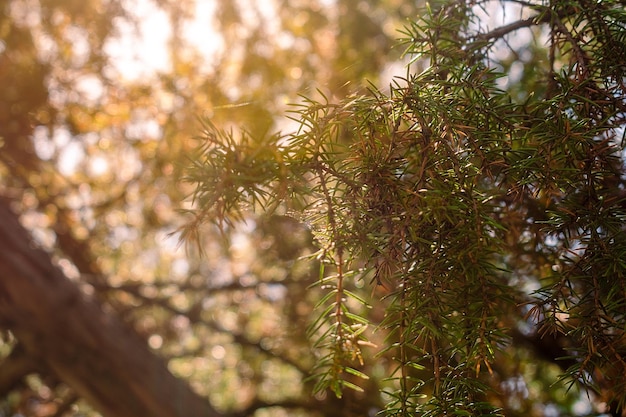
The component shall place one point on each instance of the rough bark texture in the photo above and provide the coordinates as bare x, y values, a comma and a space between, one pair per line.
92, 351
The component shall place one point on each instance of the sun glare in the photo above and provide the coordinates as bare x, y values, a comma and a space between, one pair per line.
141, 52
136, 55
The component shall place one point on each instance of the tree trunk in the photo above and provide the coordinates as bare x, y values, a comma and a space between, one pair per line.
92, 351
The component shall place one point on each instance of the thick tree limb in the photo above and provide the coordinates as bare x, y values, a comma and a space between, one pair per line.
90, 350
14, 368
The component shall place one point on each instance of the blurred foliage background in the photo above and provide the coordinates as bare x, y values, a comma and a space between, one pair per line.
99, 110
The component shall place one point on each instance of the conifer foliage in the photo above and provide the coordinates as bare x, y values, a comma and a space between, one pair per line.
482, 210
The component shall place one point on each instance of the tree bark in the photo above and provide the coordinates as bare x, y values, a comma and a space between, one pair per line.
14, 368
92, 351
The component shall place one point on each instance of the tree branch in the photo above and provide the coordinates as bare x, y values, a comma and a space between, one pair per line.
506, 29
14, 368
545, 15
90, 350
